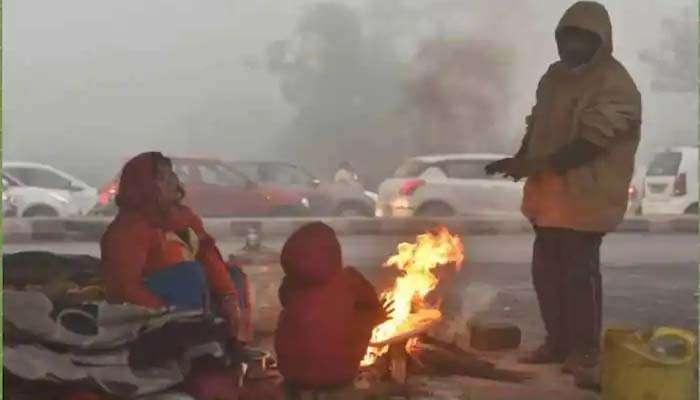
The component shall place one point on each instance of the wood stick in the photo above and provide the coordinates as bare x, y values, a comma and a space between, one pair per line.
399, 361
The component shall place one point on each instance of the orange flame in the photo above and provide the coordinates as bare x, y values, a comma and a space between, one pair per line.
417, 261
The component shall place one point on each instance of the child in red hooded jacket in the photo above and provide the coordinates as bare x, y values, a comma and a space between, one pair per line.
328, 312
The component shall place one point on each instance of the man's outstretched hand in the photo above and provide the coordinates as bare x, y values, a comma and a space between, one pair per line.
511, 167
514, 167
501, 166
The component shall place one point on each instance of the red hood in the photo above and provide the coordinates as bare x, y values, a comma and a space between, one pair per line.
312, 254
137, 187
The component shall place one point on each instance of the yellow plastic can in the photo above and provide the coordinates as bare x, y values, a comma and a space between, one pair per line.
656, 364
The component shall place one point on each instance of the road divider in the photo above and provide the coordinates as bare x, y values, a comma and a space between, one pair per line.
91, 229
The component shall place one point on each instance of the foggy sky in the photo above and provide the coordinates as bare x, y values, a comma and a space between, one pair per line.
89, 83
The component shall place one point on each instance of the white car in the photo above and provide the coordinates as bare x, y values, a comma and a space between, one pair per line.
671, 182
448, 185
636, 191
40, 190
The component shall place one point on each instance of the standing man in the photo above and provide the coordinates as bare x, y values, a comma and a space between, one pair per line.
578, 157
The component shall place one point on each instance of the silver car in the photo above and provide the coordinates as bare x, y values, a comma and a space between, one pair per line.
325, 198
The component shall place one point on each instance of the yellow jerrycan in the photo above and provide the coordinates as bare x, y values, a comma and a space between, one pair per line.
656, 364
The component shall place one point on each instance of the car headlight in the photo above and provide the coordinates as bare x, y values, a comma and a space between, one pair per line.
400, 202
58, 197
305, 202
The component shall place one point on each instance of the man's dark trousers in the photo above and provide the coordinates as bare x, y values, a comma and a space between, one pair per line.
566, 276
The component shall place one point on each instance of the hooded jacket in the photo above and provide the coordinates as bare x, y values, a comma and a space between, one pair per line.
598, 102
328, 311
141, 240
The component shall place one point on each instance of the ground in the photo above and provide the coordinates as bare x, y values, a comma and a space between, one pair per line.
649, 279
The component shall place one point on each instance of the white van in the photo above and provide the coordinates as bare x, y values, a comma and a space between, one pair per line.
671, 182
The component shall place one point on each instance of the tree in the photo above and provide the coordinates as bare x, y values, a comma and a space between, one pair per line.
343, 85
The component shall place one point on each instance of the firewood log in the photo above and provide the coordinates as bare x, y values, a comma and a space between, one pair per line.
439, 360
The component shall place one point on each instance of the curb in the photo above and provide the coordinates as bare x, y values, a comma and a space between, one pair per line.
17, 230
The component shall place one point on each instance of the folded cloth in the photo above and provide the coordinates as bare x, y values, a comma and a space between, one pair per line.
91, 326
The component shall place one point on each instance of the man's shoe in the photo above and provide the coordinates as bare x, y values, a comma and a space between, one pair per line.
580, 361
588, 378
544, 354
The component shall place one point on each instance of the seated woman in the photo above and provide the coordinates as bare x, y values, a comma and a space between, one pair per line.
156, 252
328, 312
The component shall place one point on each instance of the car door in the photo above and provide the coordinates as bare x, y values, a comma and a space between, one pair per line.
205, 198
661, 176
56, 186
294, 178
82, 195
239, 195
480, 193
213, 190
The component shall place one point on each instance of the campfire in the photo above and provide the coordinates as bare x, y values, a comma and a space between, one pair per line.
404, 342
415, 307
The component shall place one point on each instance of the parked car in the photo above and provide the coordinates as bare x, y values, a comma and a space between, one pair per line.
671, 182
9, 204
447, 185
214, 189
325, 198
636, 191
43, 191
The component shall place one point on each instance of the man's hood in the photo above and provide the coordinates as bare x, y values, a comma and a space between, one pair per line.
312, 254
593, 17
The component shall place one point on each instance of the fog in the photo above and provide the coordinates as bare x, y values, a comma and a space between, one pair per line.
90, 83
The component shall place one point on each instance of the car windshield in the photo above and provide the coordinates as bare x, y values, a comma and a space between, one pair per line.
411, 169
665, 164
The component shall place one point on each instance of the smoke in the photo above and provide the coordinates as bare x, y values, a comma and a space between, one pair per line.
370, 81
461, 91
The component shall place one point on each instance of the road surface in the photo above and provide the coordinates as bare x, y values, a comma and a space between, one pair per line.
648, 280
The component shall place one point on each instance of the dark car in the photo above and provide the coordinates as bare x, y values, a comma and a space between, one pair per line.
214, 189
325, 198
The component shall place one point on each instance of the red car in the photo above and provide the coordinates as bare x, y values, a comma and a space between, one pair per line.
215, 189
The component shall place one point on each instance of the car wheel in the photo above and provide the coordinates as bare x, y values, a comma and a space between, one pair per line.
40, 211
692, 210
435, 210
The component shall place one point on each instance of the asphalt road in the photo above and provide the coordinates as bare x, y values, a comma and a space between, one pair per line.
648, 279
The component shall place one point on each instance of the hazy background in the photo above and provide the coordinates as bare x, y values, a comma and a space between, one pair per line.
89, 83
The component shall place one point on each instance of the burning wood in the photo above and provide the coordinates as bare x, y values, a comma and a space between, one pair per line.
413, 312
398, 346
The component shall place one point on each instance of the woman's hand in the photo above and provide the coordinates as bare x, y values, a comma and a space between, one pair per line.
232, 313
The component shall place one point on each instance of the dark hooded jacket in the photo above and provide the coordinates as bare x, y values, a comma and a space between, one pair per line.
600, 103
328, 311
142, 240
